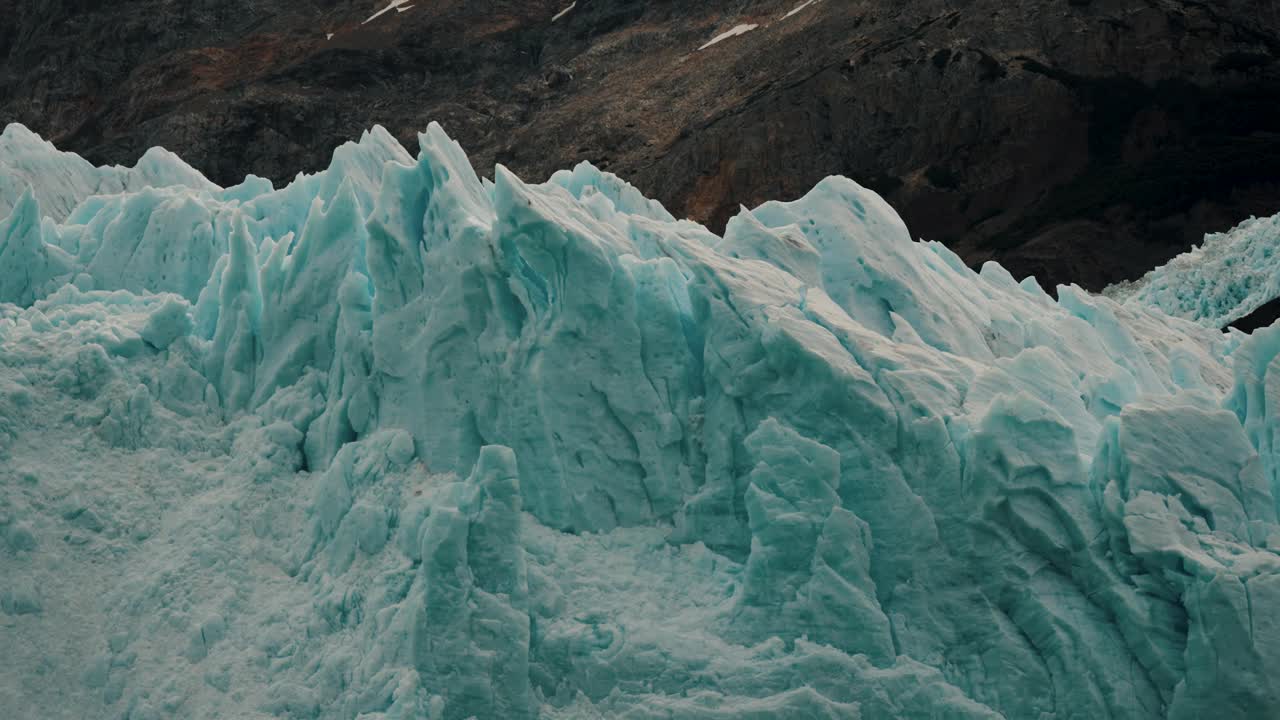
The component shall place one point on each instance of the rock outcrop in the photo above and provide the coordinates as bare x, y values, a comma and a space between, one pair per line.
1077, 140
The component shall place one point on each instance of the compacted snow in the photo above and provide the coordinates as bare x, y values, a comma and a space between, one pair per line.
567, 9
398, 5
399, 442
798, 8
735, 31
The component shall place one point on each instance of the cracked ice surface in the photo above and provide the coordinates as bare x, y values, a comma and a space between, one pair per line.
398, 442
1224, 279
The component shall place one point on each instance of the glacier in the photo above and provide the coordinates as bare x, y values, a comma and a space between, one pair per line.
398, 441
1223, 280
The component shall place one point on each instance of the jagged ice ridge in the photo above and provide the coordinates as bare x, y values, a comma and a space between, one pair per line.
1227, 277
399, 442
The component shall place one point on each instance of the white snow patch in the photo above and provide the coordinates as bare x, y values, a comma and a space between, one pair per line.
395, 5
328, 36
798, 8
737, 30
564, 12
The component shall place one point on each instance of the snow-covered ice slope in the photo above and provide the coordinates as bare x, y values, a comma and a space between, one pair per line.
1229, 276
398, 442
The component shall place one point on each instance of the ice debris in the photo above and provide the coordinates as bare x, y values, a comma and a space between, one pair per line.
397, 442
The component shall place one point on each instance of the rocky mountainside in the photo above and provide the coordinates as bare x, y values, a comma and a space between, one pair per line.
1078, 140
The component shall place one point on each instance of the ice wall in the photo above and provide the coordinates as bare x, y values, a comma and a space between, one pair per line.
495, 449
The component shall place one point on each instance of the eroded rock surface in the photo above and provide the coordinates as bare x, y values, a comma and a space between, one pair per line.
1078, 140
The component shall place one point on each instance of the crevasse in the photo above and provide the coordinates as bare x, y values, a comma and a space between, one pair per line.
397, 442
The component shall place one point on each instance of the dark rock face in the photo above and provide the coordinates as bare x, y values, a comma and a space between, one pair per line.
1078, 140
1264, 316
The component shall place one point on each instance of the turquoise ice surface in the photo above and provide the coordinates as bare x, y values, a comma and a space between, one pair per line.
395, 442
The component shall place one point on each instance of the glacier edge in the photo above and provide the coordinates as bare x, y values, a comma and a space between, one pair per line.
395, 441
